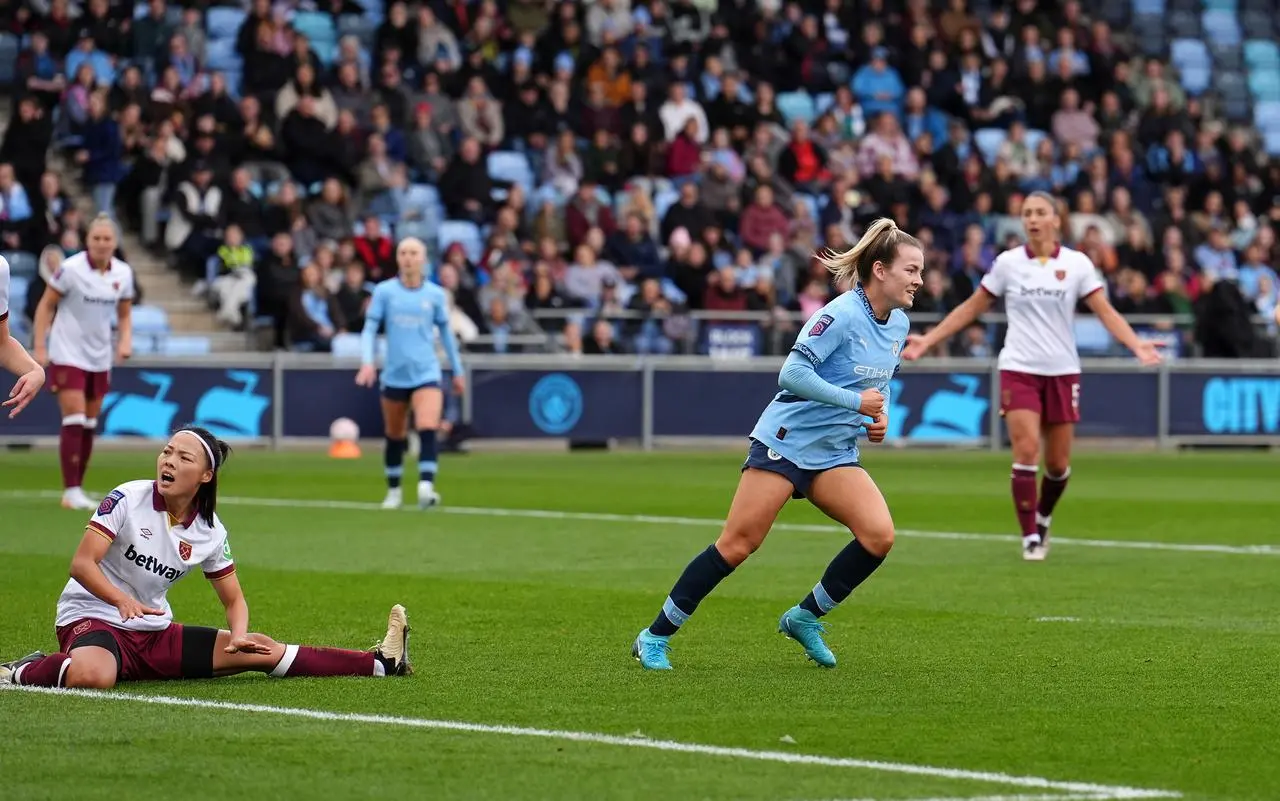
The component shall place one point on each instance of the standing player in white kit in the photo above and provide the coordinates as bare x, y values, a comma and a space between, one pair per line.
87, 292
14, 357
1039, 363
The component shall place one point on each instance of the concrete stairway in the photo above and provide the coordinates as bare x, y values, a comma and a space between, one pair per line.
161, 286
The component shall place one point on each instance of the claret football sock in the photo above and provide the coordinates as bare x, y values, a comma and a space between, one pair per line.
1023, 484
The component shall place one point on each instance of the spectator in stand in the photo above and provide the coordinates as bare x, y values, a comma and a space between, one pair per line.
232, 286
277, 283
15, 209
314, 317
376, 250
762, 219
466, 187
679, 110
585, 211
195, 223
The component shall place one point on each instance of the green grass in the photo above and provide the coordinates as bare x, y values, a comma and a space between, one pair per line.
1166, 675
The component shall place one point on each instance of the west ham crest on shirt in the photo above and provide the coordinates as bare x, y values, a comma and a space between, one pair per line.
184, 550
1061, 275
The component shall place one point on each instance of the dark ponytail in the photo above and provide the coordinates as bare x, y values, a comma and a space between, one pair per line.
206, 501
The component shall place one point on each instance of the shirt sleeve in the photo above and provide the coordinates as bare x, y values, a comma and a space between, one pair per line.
4, 290
996, 281
127, 291
220, 564
822, 334
58, 281
110, 515
1090, 281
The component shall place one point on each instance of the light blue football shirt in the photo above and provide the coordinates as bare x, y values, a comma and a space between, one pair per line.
849, 348
411, 319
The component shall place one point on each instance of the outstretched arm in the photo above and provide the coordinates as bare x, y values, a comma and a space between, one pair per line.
1119, 328
960, 317
15, 359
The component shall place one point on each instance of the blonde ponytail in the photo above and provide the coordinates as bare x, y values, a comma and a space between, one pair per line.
879, 243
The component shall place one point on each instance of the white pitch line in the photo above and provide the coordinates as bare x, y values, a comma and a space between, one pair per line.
1098, 791
1053, 797
665, 520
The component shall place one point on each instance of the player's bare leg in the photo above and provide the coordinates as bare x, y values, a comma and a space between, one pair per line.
88, 667
760, 496
262, 654
1024, 434
71, 404
849, 496
395, 422
1058, 439
428, 405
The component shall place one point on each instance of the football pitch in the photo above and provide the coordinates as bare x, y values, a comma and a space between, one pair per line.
1142, 660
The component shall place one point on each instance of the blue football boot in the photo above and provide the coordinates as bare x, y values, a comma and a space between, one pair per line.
801, 625
651, 651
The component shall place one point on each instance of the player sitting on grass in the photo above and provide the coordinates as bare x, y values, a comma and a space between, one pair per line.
114, 622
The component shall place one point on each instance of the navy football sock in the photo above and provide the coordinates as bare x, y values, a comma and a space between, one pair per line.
847, 570
696, 582
427, 450
393, 458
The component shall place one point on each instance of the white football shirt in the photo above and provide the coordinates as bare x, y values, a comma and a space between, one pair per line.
149, 552
4, 289
1040, 300
81, 333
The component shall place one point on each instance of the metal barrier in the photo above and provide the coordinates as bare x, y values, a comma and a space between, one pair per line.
273, 399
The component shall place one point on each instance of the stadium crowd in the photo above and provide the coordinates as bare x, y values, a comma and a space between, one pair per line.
586, 173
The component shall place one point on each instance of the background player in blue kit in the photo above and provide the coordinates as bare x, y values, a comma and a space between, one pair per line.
805, 444
411, 311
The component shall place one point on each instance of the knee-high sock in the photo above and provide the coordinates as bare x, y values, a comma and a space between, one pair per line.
852, 566
48, 672
70, 447
1051, 489
427, 454
1023, 483
393, 459
697, 581
86, 445
305, 660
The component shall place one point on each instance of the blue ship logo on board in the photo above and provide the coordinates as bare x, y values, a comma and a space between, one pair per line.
945, 413
555, 404
226, 411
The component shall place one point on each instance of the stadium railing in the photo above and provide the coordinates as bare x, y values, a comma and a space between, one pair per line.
285, 399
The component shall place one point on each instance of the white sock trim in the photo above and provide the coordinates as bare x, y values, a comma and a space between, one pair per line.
62, 672
282, 667
379, 670
1065, 475
1029, 468
74, 420
90, 423
17, 674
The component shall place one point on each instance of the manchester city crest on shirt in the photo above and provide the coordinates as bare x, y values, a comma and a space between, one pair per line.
184, 550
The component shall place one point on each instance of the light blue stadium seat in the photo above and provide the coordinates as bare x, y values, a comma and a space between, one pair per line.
824, 102
796, 106
811, 202
1261, 53
316, 26
1265, 84
234, 80
346, 346
1034, 137
1189, 53
988, 142
1195, 80
150, 321
145, 346
9, 49
664, 200
1091, 336
18, 288
1266, 115
1220, 5
464, 232
1221, 27
185, 345
222, 56
1271, 141
508, 166
1155, 7
224, 23
427, 196
21, 263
